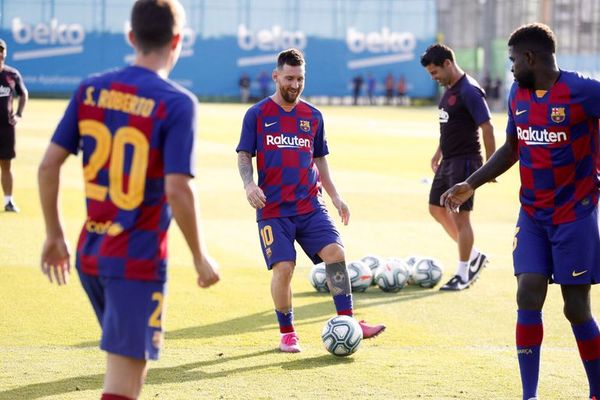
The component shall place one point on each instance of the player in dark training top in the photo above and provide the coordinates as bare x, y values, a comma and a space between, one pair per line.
11, 86
462, 112
136, 132
553, 132
287, 136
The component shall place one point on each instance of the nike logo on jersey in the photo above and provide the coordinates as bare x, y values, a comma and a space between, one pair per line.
576, 274
519, 112
271, 124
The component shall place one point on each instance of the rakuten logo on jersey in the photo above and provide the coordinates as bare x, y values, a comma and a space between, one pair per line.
283, 142
543, 137
58, 39
443, 116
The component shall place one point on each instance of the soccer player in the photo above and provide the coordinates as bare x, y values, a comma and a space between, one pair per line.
553, 132
462, 112
136, 130
11, 85
287, 136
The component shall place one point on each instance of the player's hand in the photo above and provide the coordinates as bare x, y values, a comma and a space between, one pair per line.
342, 208
455, 196
55, 260
255, 195
435, 162
208, 271
13, 119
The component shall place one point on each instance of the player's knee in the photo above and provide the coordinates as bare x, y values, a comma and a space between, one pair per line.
332, 253
283, 271
577, 312
530, 298
438, 213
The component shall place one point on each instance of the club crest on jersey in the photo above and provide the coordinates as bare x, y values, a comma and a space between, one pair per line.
305, 125
558, 114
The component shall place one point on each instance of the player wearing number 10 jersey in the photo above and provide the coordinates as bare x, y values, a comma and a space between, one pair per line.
287, 136
136, 132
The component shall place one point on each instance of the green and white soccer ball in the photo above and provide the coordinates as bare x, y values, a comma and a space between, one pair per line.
373, 262
427, 272
360, 276
341, 335
392, 275
318, 278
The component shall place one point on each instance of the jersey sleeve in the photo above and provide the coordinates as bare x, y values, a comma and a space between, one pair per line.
248, 136
67, 133
591, 104
320, 142
178, 148
19, 84
475, 102
511, 127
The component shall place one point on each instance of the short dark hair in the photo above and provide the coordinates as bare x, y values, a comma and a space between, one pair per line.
436, 54
535, 37
155, 22
292, 57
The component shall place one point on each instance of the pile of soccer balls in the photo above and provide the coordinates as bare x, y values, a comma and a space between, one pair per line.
389, 274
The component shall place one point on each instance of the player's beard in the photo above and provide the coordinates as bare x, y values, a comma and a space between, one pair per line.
290, 98
526, 80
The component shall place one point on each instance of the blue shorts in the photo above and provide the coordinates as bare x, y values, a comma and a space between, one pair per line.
568, 254
312, 231
130, 314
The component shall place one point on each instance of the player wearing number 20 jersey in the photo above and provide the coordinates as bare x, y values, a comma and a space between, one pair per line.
133, 127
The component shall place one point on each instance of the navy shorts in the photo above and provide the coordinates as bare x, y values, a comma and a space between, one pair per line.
568, 254
451, 172
312, 231
130, 314
7, 142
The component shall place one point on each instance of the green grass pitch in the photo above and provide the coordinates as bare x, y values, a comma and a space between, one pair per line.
221, 342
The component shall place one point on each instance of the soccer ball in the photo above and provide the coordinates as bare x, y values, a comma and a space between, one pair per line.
410, 264
341, 335
373, 262
360, 276
318, 278
427, 272
392, 275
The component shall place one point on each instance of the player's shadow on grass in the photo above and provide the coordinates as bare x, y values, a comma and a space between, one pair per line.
305, 314
181, 373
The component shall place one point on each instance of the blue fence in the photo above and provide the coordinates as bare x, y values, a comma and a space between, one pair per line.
55, 47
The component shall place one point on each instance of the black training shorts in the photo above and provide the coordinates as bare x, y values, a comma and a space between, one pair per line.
451, 172
7, 142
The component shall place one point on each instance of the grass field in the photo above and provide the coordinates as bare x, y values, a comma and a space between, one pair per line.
221, 342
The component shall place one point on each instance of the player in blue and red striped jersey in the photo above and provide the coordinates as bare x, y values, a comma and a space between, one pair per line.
136, 131
553, 132
288, 138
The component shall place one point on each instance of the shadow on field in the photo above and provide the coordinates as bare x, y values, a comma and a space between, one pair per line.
182, 373
305, 314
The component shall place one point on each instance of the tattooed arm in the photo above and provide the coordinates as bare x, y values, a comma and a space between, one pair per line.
254, 194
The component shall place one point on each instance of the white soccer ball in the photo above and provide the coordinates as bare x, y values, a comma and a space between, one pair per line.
360, 276
427, 272
410, 264
341, 335
318, 278
373, 262
392, 275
